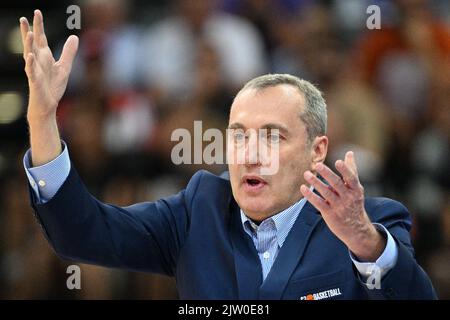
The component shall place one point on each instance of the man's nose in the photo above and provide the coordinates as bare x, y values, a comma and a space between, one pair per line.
251, 151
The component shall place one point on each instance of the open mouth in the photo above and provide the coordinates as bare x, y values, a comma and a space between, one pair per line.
253, 183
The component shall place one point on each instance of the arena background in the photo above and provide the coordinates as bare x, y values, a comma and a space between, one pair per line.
145, 68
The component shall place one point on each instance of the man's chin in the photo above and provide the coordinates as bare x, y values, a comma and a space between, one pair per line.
256, 208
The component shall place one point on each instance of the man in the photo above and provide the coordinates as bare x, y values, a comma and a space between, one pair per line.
249, 236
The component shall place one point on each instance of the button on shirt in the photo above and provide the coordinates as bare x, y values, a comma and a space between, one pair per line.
46, 180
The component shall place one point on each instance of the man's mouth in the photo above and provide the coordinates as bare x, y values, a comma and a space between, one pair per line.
253, 184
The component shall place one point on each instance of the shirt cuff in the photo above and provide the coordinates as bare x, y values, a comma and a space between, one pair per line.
46, 180
384, 263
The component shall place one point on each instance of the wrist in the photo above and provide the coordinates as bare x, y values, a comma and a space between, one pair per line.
44, 137
370, 245
40, 118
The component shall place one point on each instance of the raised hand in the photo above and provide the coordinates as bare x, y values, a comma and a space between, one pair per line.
341, 203
47, 81
47, 78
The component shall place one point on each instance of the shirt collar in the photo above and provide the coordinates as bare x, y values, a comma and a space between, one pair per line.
283, 221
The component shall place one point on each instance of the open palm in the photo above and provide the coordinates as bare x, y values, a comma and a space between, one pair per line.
47, 78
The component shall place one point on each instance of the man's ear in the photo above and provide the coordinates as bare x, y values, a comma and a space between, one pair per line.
319, 149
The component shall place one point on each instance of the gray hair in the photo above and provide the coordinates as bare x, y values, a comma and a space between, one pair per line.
315, 114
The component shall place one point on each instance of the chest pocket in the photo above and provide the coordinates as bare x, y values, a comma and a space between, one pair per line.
324, 286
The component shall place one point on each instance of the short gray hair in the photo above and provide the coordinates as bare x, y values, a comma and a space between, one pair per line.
315, 114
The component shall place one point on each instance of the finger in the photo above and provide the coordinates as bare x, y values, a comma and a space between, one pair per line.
319, 203
28, 47
30, 67
332, 178
38, 29
325, 191
350, 161
24, 28
351, 179
69, 51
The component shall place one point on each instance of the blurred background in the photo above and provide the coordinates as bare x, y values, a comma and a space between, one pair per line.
145, 68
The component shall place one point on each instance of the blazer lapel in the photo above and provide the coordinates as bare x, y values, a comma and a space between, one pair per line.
246, 260
290, 253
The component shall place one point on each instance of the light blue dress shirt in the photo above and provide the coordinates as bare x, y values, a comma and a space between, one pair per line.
270, 234
268, 237
48, 178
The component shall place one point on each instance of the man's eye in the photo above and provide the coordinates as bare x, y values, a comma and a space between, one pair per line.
238, 136
274, 138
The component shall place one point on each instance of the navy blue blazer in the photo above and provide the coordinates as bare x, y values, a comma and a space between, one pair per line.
197, 237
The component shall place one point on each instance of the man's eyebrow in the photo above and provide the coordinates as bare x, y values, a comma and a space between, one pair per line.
283, 129
270, 126
236, 125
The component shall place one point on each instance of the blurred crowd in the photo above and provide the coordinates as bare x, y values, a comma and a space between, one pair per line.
145, 68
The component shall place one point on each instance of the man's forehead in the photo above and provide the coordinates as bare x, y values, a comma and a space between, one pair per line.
283, 102
273, 96
279, 89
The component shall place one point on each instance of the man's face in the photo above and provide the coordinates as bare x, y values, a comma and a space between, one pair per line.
258, 195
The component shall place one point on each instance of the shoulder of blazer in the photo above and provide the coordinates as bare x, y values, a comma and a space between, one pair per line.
205, 183
387, 211
205, 178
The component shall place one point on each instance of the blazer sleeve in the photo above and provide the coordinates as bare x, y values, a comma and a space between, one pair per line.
143, 237
406, 280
